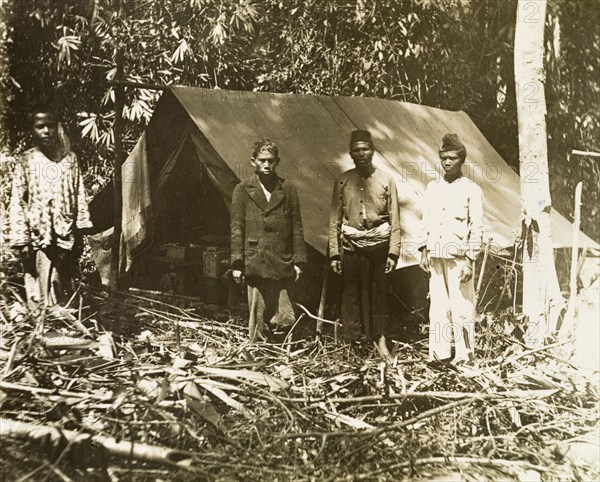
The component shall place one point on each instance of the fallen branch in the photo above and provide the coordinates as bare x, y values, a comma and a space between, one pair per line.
317, 318
378, 431
227, 401
191, 389
11, 357
535, 350
121, 448
519, 394
270, 381
163, 294
456, 460
68, 343
64, 315
56, 392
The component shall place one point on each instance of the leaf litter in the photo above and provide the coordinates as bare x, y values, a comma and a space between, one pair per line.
130, 387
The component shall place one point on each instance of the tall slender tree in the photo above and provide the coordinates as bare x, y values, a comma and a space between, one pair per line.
4, 79
4, 69
542, 299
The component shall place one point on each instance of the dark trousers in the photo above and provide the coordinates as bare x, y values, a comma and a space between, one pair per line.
270, 306
365, 310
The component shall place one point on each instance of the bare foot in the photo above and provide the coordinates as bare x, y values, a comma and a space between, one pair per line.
383, 349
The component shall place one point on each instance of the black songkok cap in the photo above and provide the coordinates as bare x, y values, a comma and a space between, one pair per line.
361, 136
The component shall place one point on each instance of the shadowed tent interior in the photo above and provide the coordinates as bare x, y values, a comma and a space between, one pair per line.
198, 135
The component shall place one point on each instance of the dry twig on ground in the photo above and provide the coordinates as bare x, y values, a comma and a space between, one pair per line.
204, 399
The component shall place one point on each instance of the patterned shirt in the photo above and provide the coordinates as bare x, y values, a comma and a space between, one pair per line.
453, 218
47, 201
364, 203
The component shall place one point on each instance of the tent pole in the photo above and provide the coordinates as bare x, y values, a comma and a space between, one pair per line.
569, 318
321, 311
115, 278
486, 252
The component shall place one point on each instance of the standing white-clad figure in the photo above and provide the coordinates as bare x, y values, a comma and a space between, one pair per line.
453, 224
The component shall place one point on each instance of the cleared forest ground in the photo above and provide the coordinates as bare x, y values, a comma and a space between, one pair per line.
126, 387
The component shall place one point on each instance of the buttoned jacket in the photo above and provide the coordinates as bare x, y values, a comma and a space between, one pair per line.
363, 203
266, 236
453, 218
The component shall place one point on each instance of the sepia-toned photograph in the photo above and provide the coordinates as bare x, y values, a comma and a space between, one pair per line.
285, 240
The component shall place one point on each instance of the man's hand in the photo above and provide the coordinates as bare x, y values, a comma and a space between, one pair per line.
237, 275
336, 266
390, 264
425, 265
25, 253
298, 272
465, 269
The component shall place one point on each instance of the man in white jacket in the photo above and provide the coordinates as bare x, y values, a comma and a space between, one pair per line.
453, 223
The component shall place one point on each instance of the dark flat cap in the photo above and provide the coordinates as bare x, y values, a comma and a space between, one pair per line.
451, 142
361, 136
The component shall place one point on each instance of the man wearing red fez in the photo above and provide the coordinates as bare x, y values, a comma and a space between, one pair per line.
364, 242
453, 223
267, 244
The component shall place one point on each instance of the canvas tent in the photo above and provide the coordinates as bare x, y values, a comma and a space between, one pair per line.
210, 133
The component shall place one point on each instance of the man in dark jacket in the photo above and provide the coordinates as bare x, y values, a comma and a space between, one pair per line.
267, 243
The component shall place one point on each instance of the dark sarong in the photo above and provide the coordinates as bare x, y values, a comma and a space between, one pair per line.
365, 309
48, 276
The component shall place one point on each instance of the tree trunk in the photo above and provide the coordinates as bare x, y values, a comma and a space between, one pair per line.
542, 299
4, 73
4, 79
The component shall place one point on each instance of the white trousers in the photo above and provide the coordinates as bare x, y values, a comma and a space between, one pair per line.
452, 311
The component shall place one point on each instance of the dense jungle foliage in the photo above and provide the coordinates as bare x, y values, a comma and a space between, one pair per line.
452, 54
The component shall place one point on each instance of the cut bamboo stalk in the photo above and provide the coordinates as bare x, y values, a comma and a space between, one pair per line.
321, 311
177, 336
11, 357
69, 343
246, 376
46, 391
378, 431
501, 463
335, 332
578, 152
63, 314
121, 448
135, 290
486, 252
581, 262
569, 319
516, 394
316, 317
